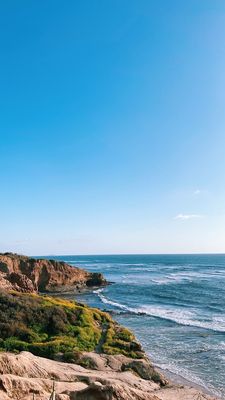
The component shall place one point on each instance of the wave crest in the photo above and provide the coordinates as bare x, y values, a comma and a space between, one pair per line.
179, 316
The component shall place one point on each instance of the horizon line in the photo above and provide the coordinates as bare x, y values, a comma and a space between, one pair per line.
129, 254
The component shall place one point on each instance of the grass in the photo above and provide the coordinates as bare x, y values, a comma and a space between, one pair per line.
53, 327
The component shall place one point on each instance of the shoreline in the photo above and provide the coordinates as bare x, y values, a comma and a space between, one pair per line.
81, 382
178, 380
174, 378
111, 339
176, 387
74, 291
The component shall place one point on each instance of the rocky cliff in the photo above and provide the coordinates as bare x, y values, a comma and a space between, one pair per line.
102, 360
86, 353
24, 374
30, 275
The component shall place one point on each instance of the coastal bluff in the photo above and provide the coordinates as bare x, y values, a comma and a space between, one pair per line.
33, 275
83, 350
23, 374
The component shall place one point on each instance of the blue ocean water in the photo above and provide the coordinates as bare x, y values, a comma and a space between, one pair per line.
175, 305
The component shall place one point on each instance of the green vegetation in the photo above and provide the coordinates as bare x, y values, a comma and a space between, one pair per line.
53, 327
120, 340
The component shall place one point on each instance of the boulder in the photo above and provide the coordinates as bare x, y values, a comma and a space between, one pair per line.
21, 283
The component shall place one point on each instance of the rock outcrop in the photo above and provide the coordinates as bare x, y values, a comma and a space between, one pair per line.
30, 275
113, 366
24, 374
90, 356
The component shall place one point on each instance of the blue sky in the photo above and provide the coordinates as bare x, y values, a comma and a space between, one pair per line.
112, 126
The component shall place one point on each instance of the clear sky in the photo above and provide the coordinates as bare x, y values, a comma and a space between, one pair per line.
112, 126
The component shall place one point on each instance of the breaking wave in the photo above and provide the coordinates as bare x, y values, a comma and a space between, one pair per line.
179, 316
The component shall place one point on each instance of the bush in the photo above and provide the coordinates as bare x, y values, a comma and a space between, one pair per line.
124, 334
13, 344
49, 326
48, 349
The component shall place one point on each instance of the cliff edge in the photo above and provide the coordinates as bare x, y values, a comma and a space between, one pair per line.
72, 343
31, 275
86, 353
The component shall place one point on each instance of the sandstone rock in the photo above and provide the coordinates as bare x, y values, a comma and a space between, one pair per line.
145, 370
141, 367
27, 274
112, 391
21, 283
23, 374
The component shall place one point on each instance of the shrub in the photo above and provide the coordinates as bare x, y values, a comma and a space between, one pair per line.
48, 326
13, 344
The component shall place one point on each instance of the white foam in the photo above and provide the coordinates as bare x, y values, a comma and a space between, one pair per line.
188, 376
190, 276
112, 303
178, 315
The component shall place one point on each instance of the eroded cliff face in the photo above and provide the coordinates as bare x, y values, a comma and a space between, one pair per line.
22, 375
112, 367
29, 275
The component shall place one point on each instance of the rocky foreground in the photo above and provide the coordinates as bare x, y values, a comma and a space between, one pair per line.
30, 275
86, 353
109, 378
83, 349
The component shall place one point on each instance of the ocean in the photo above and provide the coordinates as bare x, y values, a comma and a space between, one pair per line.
175, 305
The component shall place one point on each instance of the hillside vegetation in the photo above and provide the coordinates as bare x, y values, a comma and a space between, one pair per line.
57, 328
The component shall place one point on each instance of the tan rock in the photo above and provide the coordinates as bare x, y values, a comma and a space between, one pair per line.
24, 374
26, 274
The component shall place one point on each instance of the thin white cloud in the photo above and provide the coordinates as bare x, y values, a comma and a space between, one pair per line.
197, 192
22, 241
185, 217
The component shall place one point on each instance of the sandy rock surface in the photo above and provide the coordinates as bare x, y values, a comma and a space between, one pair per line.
23, 374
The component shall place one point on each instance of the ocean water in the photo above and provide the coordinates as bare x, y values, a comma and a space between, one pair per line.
175, 305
